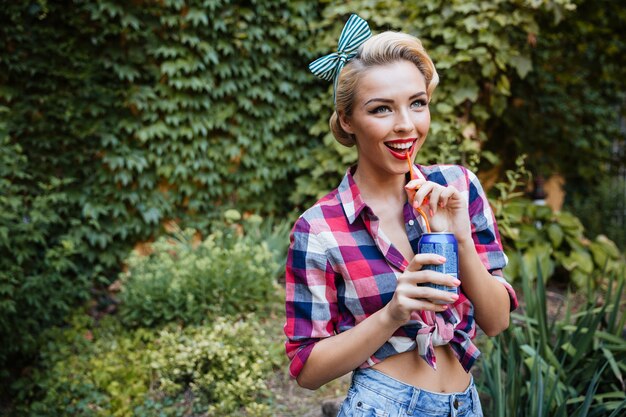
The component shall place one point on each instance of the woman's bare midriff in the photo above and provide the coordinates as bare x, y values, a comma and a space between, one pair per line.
411, 369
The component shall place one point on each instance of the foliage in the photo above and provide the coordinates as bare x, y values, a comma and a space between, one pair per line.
84, 371
558, 241
40, 276
225, 366
210, 371
553, 244
118, 116
565, 114
477, 48
602, 211
189, 280
573, 365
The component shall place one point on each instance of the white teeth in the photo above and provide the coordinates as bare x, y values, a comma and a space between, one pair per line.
400, 145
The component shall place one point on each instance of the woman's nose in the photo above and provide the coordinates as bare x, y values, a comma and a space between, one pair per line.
403, 122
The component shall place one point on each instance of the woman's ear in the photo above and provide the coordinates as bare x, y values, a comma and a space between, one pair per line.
345, 122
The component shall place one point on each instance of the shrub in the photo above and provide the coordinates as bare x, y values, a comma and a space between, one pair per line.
572, 365
218, 370
558, 241
103, 371
213, 370
538, 240
190, 280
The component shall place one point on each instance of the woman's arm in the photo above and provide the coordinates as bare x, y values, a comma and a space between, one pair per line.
489, 296
337, 355
449, 211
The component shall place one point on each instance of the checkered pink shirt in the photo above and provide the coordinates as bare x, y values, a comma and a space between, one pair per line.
341, 269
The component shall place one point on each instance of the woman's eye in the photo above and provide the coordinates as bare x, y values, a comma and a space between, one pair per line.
380, 109
418, 103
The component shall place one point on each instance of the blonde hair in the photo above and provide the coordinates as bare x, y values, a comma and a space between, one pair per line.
382, 49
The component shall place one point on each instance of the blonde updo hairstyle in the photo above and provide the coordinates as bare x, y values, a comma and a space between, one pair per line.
382, 49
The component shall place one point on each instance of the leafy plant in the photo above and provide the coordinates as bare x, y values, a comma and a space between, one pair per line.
88, 371
558, 241
41, 278
214, 370
538, 240
571, 364
190, 280
224, 367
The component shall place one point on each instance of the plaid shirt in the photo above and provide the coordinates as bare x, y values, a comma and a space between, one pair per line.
341, 268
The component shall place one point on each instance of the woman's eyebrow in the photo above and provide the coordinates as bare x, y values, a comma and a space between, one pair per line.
388, 100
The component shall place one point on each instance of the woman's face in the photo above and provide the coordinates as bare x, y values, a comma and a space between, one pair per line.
390, 117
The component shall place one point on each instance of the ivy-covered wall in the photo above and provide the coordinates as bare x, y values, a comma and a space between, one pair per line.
118, 116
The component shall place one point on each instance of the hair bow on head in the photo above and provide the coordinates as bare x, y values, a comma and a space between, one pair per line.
354, 34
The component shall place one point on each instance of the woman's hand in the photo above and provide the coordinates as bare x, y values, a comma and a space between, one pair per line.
445, 206
411, 296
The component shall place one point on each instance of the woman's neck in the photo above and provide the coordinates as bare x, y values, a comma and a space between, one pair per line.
378, 190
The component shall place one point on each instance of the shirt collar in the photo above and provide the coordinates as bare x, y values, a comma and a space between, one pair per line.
350, 196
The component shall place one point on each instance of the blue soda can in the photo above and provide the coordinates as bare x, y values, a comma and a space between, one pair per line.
443, 244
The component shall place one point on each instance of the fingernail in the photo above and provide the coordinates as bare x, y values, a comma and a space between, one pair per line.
431, 212
442, 259
457, 282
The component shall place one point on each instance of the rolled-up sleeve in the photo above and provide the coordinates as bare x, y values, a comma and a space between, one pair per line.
310, 295
486, 236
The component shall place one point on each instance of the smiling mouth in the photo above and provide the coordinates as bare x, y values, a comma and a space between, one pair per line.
399, 149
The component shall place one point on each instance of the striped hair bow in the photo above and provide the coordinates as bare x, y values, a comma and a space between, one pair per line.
354, 34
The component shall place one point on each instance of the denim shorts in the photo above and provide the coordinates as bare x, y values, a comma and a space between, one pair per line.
373, 393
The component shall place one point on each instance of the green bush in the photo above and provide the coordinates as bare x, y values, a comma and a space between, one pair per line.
88, 371
224, 367
577, 58
559, 242
570, 364
553, 244
191, 280
214, 370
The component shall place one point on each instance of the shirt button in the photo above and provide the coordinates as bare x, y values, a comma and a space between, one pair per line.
411, 222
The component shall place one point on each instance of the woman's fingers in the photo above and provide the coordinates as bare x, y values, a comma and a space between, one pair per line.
445, 195
421, 259
418, 284
423, 192
422, 304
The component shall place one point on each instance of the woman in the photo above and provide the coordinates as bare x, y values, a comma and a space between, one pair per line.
354, 299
